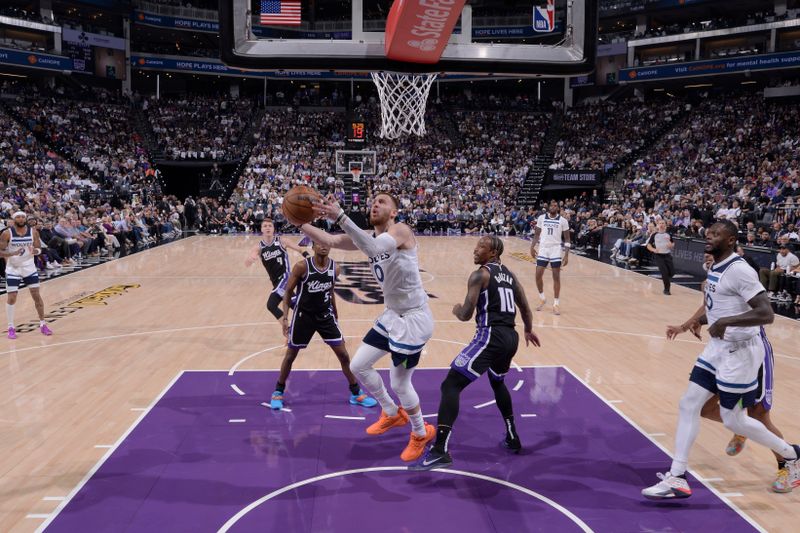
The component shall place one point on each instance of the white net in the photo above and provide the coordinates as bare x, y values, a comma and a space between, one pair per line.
403, 99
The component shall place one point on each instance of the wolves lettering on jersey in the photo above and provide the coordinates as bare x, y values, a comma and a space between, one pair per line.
496, 302
17, 242
731, 283
314, 293
397, 273
275, 259
552, 229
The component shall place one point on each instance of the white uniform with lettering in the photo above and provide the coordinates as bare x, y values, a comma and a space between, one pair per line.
21, 267
407, 321
550, 239
736, 358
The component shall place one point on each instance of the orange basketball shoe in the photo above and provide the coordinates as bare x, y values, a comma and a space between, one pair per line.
386, 422
416, 444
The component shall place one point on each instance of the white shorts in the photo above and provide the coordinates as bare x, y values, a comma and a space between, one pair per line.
16, 276
405, 334
734, 364
549, 254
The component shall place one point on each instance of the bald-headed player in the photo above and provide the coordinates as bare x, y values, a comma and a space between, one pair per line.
19, 243
495, 293
736, 308
272, 250
549, 238
404, 326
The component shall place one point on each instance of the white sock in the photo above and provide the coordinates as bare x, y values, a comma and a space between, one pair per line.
361, 365
417, 423
541, 296
738, 419
10, 314
688, 426
41, 323
555, 301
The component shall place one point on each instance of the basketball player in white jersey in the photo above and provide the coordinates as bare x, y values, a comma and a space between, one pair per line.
404, 326
19, 243
736, 309
551, 235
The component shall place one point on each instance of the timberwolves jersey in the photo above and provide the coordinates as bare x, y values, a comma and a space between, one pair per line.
15, 244
397, 272
275, 259
496, 302
314, 295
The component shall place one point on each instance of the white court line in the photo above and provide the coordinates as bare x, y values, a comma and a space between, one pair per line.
518, 385
105, 457
732, 494
267, 323
54, 498
527, 415
563, 510
38, 515
138, 408
337, 417
615, 401
656, 434
430, 415
237, 420
104, 446
286, 410
633, 424
481, 405
711, 479
237, 390
516, 366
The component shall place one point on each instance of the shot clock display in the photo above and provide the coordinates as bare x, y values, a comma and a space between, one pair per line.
357, 134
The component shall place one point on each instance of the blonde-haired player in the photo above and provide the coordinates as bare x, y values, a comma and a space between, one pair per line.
404, 326
550, 237
19, 243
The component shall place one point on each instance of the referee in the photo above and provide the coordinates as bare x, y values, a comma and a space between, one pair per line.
660, 245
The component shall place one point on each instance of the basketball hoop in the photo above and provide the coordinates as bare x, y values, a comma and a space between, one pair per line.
403, 99
356, 173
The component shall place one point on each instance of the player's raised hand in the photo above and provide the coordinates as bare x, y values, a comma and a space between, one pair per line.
530, 337
327, 207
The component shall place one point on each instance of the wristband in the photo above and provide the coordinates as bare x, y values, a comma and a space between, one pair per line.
37, 251
567, 245
305, 254
340, 217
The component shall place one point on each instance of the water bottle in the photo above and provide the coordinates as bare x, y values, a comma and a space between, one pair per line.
772, 266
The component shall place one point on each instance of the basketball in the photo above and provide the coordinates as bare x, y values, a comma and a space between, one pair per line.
297, 205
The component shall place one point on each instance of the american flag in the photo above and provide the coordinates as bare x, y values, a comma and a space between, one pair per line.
280, 12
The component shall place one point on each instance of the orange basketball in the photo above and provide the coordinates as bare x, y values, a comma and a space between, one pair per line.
297, 205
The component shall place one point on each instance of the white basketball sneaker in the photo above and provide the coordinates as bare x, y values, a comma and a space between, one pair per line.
668, 488
541, 304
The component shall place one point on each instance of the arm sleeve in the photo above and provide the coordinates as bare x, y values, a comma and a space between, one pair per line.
372, 246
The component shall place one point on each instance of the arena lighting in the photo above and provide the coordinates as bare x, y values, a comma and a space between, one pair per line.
23, 76
659, 90
748, 82
697, 85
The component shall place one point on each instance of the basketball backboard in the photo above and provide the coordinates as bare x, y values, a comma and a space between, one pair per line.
363, 160
540, 37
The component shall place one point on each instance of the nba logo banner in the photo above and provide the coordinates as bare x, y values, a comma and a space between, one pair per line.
544, 18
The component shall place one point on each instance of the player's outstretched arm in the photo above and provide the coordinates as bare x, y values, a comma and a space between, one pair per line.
760, 314
525, 310
342, 242
693, 324
286, 243
252, 257
299, 271
477, 281
372, 246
